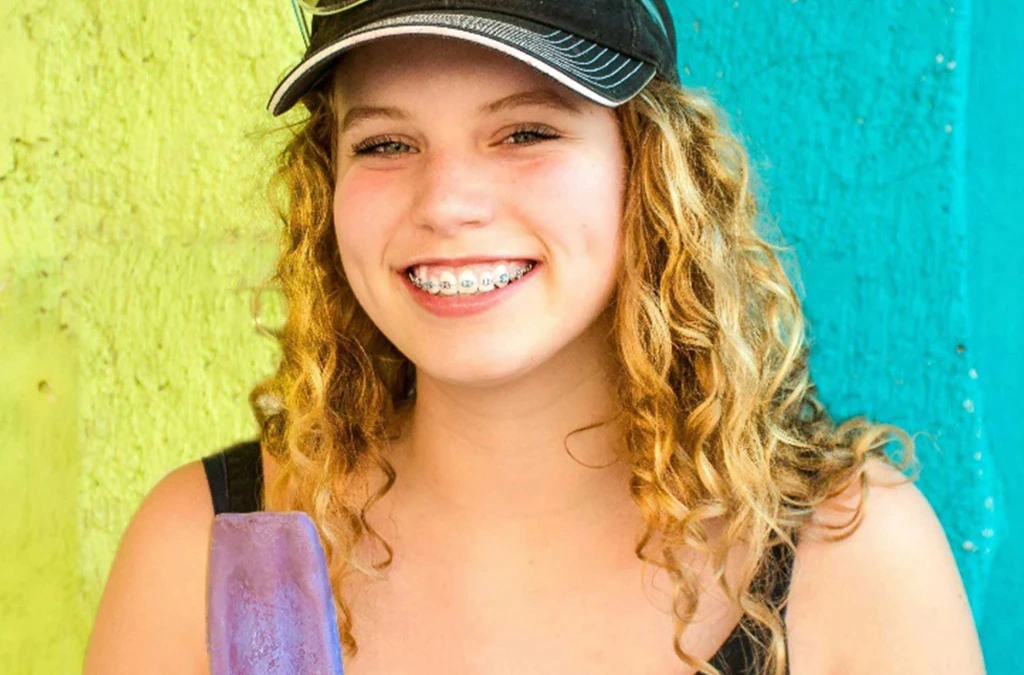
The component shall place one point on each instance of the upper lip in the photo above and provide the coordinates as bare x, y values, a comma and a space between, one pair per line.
459, 262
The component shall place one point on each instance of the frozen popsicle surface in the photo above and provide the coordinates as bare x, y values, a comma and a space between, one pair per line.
270, 610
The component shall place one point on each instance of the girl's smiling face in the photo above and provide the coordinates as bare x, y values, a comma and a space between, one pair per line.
449, 151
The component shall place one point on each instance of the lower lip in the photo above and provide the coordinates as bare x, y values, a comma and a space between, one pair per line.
454, 306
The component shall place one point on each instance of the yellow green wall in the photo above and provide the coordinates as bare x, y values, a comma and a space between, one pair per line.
132, 227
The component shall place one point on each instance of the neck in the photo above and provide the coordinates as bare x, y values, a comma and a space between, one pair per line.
481, 458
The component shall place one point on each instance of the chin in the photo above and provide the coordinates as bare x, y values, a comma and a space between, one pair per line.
480, 365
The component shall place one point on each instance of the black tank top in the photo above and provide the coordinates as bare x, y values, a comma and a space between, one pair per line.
235, 476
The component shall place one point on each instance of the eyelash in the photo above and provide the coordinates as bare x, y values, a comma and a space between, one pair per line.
370, 145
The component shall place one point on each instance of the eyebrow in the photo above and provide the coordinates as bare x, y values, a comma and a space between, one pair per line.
544, 97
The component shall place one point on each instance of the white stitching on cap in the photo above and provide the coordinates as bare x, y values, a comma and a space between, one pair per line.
590, 47
567, 37
608, 64
595, 58
337, 47
597, 69
639, 65
514, 34
463, 29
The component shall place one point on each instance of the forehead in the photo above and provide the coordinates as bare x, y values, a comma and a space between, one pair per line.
397, 65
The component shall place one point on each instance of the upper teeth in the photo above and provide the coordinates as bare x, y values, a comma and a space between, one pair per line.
466, 280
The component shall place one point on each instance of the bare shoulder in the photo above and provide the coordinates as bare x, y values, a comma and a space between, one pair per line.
888, 598
152, 616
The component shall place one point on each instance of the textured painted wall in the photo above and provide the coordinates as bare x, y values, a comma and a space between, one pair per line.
132, 155
994, 181
131, 232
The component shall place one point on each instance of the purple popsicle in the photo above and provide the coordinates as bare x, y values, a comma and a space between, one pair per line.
270, 610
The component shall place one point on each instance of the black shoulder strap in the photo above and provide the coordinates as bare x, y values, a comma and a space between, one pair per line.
741, 653
235, 475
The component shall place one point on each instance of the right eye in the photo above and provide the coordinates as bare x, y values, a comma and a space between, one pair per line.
379, 145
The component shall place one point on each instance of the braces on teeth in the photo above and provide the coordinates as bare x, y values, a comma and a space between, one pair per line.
485, 284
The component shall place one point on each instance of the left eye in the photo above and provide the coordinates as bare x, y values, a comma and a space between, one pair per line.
535, 132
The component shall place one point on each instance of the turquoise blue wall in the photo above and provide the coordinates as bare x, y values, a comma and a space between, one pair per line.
994, 181
883, 133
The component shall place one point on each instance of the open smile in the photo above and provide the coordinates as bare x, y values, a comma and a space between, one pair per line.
458, 292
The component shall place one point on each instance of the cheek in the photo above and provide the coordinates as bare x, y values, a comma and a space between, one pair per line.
579, 204
360, 218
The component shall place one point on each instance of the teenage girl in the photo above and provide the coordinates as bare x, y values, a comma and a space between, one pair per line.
544, 388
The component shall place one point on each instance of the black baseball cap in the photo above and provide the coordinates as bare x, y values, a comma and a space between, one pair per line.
605, 50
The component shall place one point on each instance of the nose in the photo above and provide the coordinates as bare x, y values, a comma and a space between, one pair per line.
454, 192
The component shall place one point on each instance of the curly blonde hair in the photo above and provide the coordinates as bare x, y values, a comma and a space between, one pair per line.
721, 417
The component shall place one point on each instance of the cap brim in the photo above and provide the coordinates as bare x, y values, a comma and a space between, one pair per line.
598, 73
